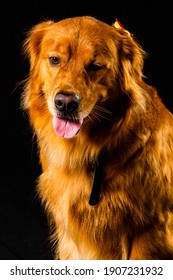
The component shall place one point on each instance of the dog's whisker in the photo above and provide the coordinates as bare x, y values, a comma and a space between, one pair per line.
97, 113
90, 118
103, 109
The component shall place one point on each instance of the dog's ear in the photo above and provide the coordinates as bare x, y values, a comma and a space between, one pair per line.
131, 57
130, 66
32, 43
131, 60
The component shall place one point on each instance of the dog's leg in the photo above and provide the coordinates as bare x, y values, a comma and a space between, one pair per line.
65, 249
152, 244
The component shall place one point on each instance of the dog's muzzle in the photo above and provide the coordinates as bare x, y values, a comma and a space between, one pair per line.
66, 122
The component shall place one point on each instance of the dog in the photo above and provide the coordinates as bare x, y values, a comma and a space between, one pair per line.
105, 142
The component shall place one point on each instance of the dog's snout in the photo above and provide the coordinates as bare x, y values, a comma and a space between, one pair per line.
66, 102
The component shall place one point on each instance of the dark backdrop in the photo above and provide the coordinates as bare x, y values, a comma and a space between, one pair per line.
23, 226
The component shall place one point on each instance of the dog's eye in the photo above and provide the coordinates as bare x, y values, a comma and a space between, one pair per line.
94, 67
54, 61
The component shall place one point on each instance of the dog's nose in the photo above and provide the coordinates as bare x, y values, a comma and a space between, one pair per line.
66, 102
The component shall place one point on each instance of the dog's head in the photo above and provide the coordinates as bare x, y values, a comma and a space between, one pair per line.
80, 68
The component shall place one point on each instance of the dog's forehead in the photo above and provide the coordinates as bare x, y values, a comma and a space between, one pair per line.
82, 26
86, 32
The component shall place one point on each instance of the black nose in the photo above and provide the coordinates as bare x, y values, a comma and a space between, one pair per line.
66, 103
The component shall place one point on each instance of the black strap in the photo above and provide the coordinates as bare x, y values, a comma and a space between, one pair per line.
96, 184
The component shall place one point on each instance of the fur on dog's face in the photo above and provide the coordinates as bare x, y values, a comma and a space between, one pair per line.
82, 67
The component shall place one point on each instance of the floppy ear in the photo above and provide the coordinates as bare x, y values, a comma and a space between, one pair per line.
32, 44
131, 60
130, 66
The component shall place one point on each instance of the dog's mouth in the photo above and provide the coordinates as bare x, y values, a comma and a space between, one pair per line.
66, 128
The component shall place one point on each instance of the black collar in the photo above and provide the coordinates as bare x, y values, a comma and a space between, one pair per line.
96, 183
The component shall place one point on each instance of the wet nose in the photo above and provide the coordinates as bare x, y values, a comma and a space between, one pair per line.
66, 103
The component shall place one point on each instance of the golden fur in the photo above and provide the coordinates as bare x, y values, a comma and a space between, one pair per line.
120, 118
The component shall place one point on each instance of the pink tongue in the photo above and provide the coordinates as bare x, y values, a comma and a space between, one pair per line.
66, 128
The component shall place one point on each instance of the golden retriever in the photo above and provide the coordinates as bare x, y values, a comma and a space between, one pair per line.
105, 141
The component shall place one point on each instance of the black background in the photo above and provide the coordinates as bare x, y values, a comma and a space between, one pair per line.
23, 226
